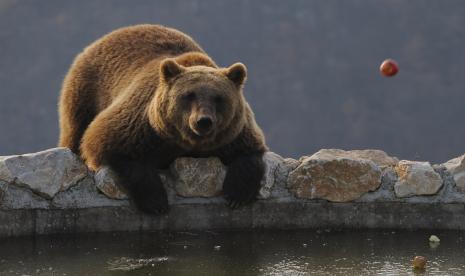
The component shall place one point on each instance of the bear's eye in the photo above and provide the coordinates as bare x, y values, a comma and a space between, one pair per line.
189, 96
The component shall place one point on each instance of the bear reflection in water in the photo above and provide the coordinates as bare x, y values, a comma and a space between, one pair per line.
142, 96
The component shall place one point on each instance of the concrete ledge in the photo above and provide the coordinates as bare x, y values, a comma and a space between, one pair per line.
263, 214
54, 192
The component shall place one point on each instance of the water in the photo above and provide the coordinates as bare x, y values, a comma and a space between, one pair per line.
309, 252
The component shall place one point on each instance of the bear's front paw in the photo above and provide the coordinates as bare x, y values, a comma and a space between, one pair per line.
152, 204
239, 191
242, 181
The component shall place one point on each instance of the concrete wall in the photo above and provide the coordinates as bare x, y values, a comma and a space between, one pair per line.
54, 192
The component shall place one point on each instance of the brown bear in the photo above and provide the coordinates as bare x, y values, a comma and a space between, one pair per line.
142, 96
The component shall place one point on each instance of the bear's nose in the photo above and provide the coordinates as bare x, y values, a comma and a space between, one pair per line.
204, 123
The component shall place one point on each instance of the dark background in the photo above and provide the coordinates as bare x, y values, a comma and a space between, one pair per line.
313, 67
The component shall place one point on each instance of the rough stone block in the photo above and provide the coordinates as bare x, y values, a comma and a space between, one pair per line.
379, 157
105, 182
416, 178
335, 176
456, 167
198, 177
45, 173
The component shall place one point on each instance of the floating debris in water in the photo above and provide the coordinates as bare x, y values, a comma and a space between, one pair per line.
129, 264
304, 245
217, 247
419, 262
434, 241
434, 238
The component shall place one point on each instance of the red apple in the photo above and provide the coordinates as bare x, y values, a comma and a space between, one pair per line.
419, 262
389, 68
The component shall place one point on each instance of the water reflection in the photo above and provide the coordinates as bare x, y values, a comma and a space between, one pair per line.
234, 253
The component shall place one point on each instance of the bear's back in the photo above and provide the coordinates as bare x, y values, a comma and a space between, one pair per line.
115, 59
139, 43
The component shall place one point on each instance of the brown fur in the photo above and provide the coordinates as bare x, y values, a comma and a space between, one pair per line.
133, 100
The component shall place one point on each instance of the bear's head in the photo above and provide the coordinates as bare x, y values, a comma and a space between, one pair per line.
199, 107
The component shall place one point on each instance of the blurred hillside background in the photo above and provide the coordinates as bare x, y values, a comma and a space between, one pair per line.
313, 67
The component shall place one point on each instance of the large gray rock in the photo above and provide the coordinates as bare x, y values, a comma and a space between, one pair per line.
14, 197
272, 163
198, 177
456, 167
416, 178
45, 173
277, 170
335, 176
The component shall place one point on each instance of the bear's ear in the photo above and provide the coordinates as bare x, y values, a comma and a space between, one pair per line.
169, 69
237, 73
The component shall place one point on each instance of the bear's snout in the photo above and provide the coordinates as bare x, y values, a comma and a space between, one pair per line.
202, 120
203, 125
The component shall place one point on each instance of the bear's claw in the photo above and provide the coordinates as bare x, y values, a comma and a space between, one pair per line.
233, 204
236, 202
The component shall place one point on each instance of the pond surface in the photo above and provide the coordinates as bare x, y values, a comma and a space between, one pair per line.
302, 252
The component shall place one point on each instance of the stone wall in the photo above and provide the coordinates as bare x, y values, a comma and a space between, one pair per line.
54, 192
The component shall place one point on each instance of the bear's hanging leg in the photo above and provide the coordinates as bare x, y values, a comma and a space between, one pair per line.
143, 183
76, 108
73, 124
242, 181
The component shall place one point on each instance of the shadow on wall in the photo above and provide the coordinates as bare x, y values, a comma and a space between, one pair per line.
313, 67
